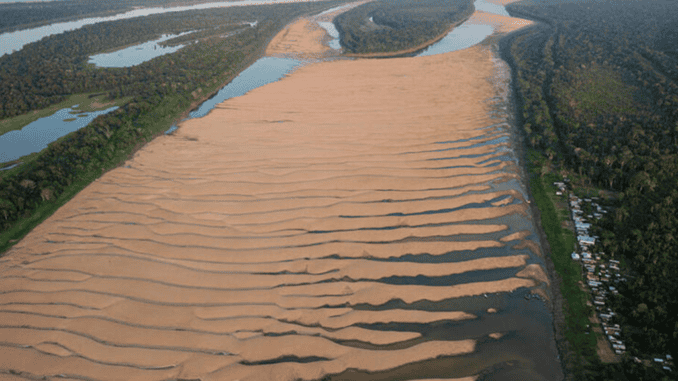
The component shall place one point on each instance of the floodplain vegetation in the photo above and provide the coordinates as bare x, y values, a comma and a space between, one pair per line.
23, 15
597, 94
387, 28
155, 94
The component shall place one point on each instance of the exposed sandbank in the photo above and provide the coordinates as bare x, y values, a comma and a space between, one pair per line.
261, 232
305, 39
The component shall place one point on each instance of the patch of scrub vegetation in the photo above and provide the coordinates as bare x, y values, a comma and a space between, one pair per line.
86, 103
392, 28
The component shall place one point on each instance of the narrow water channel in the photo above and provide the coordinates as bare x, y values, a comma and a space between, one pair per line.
137, 54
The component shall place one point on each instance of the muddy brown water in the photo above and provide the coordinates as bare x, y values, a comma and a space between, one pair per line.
356, 220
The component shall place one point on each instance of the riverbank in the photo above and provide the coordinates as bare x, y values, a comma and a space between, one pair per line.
304, 38
569, 308
381, 29
295, 207
410, 51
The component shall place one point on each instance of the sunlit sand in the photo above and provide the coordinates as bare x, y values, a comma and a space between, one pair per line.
255, 243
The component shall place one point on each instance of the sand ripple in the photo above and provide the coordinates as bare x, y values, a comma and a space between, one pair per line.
290, 234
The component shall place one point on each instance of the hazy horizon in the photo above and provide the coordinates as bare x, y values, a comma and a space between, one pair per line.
27, 1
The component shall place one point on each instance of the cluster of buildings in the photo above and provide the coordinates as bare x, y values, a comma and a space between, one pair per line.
602, 275
665, 363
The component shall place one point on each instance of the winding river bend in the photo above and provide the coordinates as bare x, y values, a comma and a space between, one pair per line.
356, 220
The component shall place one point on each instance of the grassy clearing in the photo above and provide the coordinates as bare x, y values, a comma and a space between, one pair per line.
562, 241
596, 91
86, 103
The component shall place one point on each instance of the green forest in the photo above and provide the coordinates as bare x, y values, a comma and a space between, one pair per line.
597, 95
398, 26
159, 91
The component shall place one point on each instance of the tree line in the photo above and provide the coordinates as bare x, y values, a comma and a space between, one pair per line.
597, 89
397, 26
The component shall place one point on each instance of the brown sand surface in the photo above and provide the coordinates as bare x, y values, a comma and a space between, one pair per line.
305, 39
516, 236
256, 243
501, 24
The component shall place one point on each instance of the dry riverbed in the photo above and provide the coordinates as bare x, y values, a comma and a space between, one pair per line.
319, 225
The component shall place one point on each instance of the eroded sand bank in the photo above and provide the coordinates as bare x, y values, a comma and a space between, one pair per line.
262, 242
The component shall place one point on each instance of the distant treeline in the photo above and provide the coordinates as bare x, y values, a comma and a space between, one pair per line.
597, 86
161, 89
388, 26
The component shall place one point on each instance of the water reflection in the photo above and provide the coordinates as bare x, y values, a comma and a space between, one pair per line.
36, 136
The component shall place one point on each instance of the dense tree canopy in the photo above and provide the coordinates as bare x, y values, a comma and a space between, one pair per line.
598, 95
387, 26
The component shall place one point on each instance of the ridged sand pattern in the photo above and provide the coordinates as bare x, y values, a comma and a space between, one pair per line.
314, 226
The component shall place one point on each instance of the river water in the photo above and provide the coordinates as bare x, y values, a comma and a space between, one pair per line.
343, 229
266, 70
270, 69
15, 41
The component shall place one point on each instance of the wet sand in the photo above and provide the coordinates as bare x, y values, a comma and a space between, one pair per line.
291, 234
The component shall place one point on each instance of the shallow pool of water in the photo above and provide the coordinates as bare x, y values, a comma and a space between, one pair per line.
137, 54
36, 136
